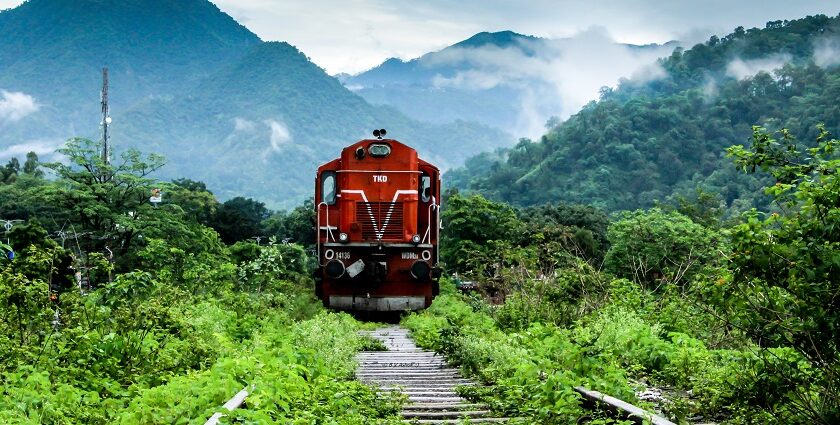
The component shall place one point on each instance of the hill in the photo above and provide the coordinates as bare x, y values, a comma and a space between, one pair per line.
651, 140
187, 81
261, 126
510, 81
54, 50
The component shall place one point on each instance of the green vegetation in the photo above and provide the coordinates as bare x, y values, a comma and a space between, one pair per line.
664, 140
716, 301
734, 323
122, 311
246, 117
119, 311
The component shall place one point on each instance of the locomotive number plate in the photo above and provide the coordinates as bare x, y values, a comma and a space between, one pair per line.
409, 256
342, 255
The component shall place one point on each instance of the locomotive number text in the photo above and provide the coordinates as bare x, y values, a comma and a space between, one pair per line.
342, 255
409, 256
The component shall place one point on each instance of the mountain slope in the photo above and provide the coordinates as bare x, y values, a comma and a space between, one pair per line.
510, 81
411, 86
54, 50
189, 82
142, 41
647, 140
261, 126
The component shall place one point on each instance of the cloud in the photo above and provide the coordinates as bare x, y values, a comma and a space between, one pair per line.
827, 52
710, 89
740, 69
14, 106
242, 124
42, 147
279, 134
553, 77
352, 36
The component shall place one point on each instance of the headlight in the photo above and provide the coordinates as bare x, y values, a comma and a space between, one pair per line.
343, 237
415, 238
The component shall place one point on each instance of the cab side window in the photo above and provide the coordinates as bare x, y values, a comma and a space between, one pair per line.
328, 187
425, 188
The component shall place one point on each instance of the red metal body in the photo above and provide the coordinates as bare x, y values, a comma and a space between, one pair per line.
377, 209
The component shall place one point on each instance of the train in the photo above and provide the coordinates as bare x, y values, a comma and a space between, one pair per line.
378, 226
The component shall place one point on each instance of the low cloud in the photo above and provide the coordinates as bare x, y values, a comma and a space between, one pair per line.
710, 89
740, 69
242, 124
279, 134
827, 52
14, 106
256, 131
553, 77
44, 148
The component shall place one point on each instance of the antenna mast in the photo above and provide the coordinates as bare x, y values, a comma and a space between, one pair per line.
106, 117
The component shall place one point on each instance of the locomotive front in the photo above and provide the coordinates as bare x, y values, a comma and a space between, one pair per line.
377, 212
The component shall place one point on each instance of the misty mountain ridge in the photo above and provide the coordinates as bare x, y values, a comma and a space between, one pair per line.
663, 137
189, 82
511, 81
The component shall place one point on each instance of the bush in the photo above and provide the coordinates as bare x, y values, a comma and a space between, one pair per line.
654, 247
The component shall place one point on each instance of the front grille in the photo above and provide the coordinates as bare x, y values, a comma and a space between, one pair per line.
380, 220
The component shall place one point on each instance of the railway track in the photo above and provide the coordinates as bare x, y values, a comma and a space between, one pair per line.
429, 383
423, 376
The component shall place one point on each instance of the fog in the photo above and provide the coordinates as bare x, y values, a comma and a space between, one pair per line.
740, 69
279, 134
272, 132
44, 148
553, 77
827, 52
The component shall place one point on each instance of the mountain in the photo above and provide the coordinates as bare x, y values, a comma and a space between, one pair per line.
54, 51
187, 81
507, 80
263, 124
654, 139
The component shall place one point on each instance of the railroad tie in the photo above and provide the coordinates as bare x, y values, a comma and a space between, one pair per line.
423, 376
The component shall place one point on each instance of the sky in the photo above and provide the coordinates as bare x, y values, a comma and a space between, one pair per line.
354, 35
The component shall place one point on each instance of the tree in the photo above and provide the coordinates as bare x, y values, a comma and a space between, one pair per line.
10, 171
193, 197
31, 165
786, 267
297, 225
470, 223
581, 228
106, 203
240, 218
654, 247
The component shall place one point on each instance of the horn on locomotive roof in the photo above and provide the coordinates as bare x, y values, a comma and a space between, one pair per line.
379, 133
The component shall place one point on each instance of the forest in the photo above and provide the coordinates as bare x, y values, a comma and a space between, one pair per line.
704, 318
664, 139
118, 310
675, 244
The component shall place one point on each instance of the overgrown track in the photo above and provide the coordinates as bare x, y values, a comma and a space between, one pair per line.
423, 376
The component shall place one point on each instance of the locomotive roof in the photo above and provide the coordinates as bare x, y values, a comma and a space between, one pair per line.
396, 145
392, 142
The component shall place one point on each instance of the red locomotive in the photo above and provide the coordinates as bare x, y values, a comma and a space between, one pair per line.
378, 222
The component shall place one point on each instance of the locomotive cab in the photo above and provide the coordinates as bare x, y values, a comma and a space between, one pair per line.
378, 221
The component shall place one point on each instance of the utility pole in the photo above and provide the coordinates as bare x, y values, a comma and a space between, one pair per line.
106, 117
